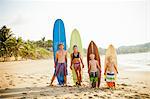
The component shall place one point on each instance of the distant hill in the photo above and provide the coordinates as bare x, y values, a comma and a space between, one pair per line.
102, 51
130, 49
126, 49
134, 49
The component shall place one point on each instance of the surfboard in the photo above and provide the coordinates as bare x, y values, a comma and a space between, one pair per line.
59, 36
92, 49
111, 51
75, 40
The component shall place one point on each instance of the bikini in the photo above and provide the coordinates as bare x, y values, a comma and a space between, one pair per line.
77, 64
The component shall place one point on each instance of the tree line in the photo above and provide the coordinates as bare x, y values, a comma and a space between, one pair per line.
11, 46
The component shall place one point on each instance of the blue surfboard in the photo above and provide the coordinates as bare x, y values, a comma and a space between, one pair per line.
59, 36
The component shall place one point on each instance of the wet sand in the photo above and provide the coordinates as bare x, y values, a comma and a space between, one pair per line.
30, 79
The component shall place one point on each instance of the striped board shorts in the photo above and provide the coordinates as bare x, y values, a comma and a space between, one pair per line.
110, 77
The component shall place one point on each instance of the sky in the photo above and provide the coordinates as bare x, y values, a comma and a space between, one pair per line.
117, 22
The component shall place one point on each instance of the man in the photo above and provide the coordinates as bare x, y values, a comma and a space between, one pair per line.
60, 66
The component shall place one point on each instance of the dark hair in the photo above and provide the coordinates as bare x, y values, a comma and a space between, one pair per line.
75, 46
60, 44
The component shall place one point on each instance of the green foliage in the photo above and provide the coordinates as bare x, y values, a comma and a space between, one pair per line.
43, 53
5, 42
12, 46
43, 44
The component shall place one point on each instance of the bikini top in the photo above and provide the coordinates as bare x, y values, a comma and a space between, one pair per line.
76, 56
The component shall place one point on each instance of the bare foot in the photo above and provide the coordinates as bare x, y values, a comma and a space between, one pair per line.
65, 85
51, 85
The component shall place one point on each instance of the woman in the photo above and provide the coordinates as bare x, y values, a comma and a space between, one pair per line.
76, 62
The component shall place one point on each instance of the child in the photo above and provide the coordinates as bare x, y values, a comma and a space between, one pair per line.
75, 62
60, 66
109, 72
93, 70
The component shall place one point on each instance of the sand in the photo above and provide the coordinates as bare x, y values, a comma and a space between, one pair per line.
30, 79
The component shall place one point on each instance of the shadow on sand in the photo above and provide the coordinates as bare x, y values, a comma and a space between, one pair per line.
34, 92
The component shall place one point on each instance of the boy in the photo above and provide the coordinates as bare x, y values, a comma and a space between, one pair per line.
75, 62
93, 69
109, 72
60, 66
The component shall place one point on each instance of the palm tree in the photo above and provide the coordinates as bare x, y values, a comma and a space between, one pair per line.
43, 42
5, 38
17, 46
28, 50
49, 44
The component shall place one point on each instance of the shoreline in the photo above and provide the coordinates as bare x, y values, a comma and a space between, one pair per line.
12, 59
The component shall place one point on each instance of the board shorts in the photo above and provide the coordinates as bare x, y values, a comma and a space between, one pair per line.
60, 72
110, 77
93, 76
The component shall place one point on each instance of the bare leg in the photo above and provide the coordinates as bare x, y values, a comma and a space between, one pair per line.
114, 85
99, 80
97, 84
80, 76
77, 75
53, 78
65, 80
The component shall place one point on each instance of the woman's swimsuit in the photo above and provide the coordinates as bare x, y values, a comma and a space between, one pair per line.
77, 64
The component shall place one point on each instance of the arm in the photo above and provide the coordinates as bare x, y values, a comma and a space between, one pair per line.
66, 57
116, 68
89, 67
99, 67
81, 61
99, 63
105, 69
56, 60
71, 62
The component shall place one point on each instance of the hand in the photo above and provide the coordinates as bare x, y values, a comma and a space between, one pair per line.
88, 71
82, 66
104, 73
54, 65
99, 69
71, 67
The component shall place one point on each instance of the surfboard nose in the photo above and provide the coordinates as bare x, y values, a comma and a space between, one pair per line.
75, 30
59, 20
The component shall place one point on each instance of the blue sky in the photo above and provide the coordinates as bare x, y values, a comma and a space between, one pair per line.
120, 22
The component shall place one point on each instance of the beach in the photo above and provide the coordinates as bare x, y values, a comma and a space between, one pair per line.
31, 79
